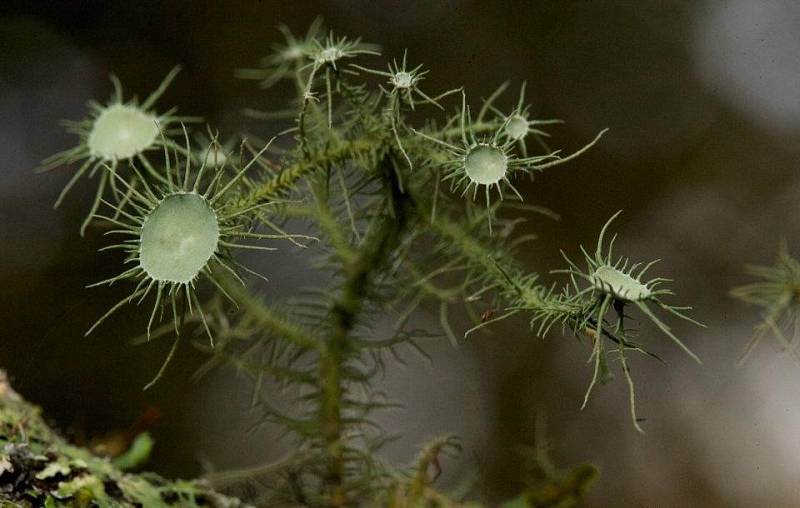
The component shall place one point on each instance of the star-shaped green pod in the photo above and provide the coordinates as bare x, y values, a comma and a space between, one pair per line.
118, 132
180, 232
609, 284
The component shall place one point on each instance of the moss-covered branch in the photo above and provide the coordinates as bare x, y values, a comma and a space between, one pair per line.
39, 468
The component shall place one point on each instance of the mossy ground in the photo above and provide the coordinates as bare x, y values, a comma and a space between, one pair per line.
38, 468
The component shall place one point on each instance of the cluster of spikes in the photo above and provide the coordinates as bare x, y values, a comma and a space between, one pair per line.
366, 182
777, 294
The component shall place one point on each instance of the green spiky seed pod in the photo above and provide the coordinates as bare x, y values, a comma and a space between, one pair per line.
613, 285
180, 232
117, 132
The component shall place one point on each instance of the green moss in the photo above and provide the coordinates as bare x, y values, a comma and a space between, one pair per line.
39, 468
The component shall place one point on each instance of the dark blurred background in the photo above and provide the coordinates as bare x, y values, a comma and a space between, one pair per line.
703, 103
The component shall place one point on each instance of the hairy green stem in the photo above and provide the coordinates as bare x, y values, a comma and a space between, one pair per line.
267, 318
504, 271
293, 172
376, 248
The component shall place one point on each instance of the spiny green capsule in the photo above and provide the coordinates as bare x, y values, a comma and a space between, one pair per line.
621, 283
119, 132
612, 286
180, 232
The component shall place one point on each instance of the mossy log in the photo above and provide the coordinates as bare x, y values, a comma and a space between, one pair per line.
39, 468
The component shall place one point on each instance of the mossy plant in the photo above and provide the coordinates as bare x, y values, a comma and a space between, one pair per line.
390, 207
